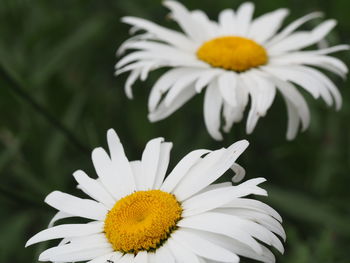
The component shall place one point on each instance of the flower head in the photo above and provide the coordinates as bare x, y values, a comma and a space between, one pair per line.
237, 59
138, 215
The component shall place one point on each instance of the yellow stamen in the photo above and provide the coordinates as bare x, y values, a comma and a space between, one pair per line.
233, 53
142, 221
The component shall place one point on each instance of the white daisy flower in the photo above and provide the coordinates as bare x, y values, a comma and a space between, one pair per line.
235, 58
138, 216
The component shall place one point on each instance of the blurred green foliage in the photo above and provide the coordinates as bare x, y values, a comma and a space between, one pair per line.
62, 53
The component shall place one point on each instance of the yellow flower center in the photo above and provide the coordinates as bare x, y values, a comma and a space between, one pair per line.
233, 53
142, 221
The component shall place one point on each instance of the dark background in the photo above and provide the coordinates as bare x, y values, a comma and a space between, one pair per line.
61, 54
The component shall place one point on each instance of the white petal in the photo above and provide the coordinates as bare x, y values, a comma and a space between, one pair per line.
299, 78
293, 26
302, 40
182, 83
68, 230
83, 250
180, 252
218, 197
238, 247
243, 18
206, 77
164, 111
163, 84
137, 171
212, 110
228, 226
163, 254
181, 169
127, 258
239, 173
185, 20
291, 94
76, 206
134, 75
254, 205
150, 159
262, 218
170, 36
58, 216
141, 257
327, 83
227, 22
203, 247
164, 158
265, 26
93, 188
120, 162
209, 169
105, 258
227, 84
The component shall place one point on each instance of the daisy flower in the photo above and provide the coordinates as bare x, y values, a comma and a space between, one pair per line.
237, 59
138, 216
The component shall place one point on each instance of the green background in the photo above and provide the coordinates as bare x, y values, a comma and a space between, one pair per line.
61, 53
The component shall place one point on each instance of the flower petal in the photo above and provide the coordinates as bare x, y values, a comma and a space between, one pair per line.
76, 206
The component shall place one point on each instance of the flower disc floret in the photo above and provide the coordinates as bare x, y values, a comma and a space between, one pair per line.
142, 221
233, 53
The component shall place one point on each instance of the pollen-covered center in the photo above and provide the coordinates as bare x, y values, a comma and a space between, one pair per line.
233, 53
142, 221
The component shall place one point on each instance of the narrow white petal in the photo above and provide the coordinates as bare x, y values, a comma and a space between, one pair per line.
90, 248
58, 216
164, 158
105, 258
181, 84
134, 75
260, 217
127, 258
293, 26
227, 22
227, 84
163, 254
76, 206
136, 167
93, 188
163, 84
238, 247
180, 252
120, 162
302, 40
141, 257
212, 110
330, 87
170, 36
254, 205
164, 111
181, 169
292, 95
149, 161
205, 78
203, 247
218, 197
265, 26
243, 18
185, 20
68, 230
209, 222
239, 173
299, 78
209, 169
